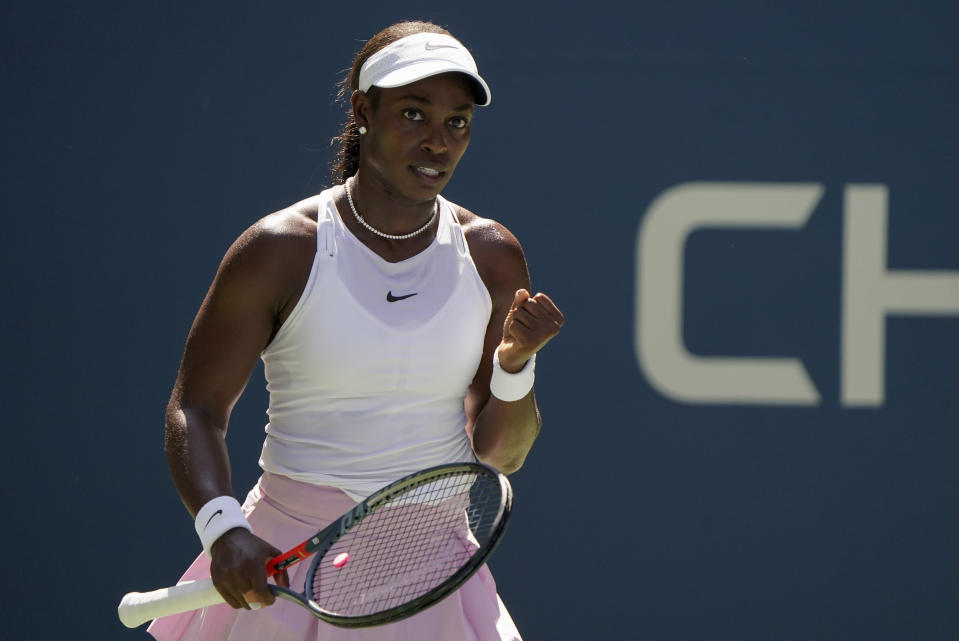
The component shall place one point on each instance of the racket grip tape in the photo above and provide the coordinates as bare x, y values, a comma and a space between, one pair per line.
136, 608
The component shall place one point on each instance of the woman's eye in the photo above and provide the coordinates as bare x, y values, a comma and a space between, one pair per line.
413, 114
458, 123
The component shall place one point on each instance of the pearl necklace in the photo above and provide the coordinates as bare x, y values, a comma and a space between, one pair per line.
362, 221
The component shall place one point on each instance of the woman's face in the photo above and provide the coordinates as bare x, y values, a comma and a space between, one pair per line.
417, 134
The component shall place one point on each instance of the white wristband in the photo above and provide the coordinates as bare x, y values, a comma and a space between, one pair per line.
507, 386
216, 518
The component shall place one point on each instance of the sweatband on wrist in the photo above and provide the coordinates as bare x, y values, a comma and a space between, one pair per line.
216, 518
507, 386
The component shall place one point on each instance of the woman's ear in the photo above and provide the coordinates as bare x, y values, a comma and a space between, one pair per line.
362, 109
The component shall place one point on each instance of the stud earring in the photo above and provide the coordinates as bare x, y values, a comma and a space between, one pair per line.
362, 130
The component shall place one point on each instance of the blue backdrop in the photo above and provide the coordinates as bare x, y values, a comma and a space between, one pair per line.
746, 210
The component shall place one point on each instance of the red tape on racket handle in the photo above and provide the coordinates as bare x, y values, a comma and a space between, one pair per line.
285, 560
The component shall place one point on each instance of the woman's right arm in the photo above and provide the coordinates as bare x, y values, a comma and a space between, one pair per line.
256, 285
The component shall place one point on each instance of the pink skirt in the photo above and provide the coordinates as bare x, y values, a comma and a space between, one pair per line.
286, 512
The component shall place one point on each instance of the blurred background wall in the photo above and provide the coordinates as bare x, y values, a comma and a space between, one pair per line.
747, 211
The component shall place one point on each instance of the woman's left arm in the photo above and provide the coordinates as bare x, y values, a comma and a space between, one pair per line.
503, 431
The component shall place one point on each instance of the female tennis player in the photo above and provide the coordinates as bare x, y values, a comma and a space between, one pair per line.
397, 332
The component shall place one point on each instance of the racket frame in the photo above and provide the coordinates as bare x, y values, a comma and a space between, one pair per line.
321, 543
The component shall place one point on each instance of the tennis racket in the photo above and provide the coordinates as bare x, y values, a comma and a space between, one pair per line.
392, 555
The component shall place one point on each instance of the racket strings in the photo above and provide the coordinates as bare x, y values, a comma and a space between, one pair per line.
409, 545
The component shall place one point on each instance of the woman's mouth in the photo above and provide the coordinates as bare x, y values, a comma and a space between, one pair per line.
428, 173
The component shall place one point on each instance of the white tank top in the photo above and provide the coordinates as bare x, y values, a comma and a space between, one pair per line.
368, 374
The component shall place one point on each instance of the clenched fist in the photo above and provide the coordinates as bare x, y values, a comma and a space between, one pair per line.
530, 323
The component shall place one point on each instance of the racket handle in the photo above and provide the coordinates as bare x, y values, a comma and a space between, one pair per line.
137, 608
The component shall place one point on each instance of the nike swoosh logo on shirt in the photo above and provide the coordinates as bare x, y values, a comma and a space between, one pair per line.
215, 514
390, 298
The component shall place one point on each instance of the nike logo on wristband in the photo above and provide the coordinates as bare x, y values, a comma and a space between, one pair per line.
390, 298
215, 514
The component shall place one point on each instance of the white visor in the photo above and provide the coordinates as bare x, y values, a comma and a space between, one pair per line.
420, 56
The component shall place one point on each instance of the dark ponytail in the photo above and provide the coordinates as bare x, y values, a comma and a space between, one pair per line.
347, 160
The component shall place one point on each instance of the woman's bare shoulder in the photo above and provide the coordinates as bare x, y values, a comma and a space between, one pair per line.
277, 247
297, 221
497, 253
485, 234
